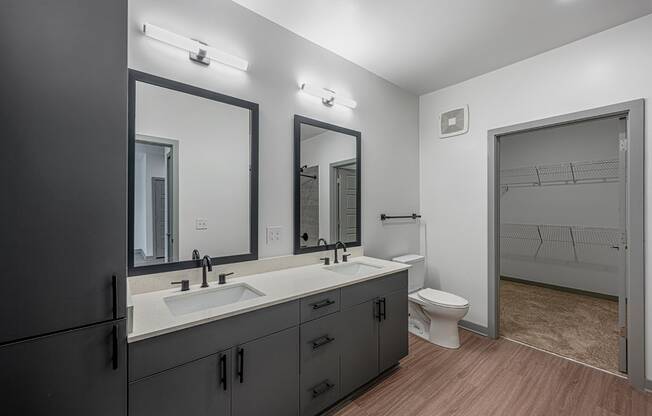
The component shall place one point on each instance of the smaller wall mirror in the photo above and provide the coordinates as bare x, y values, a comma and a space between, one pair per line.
326, 185
193, 182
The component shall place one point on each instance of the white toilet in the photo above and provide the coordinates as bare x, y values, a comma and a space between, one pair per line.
434, 314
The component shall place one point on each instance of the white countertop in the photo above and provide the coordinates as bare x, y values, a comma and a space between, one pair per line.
151, 316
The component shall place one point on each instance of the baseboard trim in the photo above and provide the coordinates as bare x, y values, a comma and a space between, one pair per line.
561, 288
648, 385
470, 326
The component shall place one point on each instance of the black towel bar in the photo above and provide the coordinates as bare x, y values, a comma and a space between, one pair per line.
384, 217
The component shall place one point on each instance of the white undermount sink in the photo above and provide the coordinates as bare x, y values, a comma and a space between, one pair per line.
185, 303
353, 269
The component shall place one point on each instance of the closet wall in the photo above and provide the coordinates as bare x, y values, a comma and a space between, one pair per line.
561, 233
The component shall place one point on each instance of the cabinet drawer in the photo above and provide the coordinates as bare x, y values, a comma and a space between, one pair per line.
319, 305
362, 292
320, 386
160, 353
320, 339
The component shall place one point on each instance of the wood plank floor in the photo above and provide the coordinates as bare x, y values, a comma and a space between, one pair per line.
495, 377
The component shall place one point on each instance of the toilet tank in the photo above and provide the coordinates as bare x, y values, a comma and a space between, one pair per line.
416, 273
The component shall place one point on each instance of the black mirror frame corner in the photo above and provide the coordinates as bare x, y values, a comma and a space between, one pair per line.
138, 76
298, 121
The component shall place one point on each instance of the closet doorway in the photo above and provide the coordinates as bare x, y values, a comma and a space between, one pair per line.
565, 237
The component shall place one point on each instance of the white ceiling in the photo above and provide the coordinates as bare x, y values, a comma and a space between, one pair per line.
424, 45
308, 131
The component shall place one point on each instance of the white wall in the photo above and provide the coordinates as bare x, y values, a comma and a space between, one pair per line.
213, 151
585, 204
322, 150
606, 68
279, 60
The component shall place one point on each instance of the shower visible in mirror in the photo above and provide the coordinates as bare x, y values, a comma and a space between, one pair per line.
193, 180
327, 185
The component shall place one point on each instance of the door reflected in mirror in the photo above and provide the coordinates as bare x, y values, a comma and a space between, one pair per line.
327, 198
192, 182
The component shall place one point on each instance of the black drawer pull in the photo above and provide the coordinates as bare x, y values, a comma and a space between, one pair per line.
223, 371
322, 304
114, 358
321, 341
321, 388
240, 371
114, 288
383, 311
377, 314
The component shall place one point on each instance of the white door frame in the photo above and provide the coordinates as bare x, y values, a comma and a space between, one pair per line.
334, 197
174, 144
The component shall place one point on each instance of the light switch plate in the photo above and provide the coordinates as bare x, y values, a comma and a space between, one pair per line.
273, 234
201, 224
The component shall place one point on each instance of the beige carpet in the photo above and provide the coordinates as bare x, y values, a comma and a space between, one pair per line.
580, 327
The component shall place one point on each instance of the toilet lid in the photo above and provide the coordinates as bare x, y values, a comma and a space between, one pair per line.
443, 298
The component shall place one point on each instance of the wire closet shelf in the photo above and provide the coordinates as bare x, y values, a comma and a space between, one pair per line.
561, 174
590, 247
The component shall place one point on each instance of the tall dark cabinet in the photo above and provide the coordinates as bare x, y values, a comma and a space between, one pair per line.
63, 213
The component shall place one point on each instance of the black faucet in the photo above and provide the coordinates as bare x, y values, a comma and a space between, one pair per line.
324, 241
205, 264
195, 254
339, 243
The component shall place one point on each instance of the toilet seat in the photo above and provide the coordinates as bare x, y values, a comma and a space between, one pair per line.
441, 298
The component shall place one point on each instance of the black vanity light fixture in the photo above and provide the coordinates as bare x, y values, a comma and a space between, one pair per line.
199, 51
328, 97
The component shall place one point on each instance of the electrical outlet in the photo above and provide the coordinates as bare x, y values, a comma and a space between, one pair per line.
273, 234
201, 224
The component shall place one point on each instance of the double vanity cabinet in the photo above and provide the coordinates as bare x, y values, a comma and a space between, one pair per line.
294, 358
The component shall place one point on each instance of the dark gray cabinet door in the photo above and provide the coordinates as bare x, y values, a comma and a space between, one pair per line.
393, 332
266, 376
70, 373
359, 346
63, 128
199, 388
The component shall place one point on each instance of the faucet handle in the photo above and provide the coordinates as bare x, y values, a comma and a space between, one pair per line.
327, 260
345, 257
222, 278
185, 285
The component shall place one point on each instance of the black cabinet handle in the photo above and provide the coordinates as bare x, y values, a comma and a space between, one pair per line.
321, 388
240, 371
114, 358
377, 314
322, 304
223, 371
321, 341
114, 287
383, 313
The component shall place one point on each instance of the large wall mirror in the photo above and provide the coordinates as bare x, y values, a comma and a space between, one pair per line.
193, 182
326, 185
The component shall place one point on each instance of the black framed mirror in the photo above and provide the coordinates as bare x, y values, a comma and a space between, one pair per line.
193, 176
327, 179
